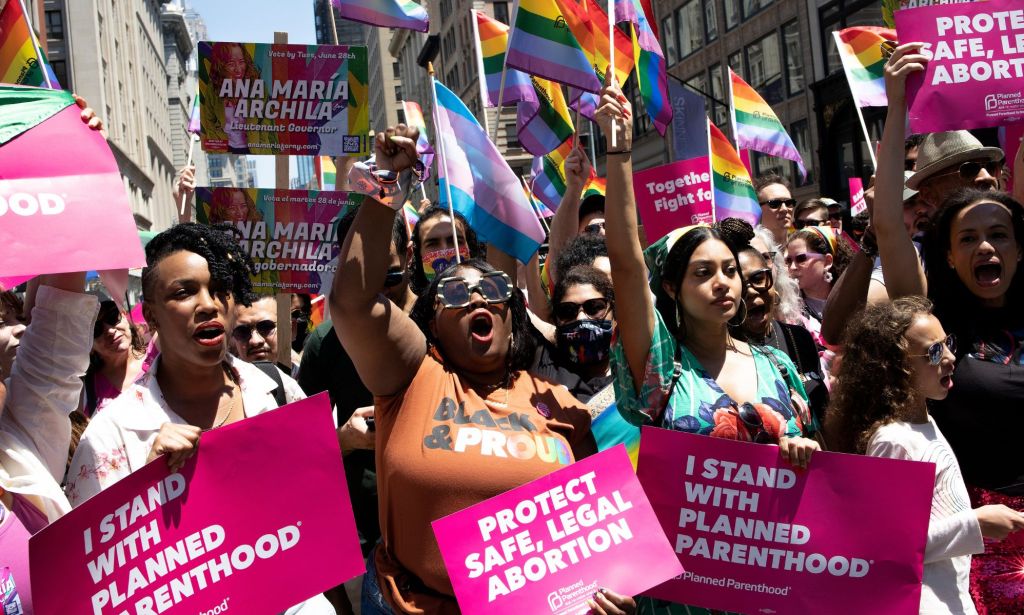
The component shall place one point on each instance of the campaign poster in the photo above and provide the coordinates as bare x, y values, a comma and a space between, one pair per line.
755, 535
298, 100
257, 521
975, 78
549, 545
291, 235
673, 195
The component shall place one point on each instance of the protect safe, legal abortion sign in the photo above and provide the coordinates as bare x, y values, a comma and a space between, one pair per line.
547, 546
756, 536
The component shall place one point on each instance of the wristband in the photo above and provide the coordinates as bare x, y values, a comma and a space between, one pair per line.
387, 187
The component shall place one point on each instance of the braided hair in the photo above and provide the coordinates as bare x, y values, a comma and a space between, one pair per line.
230, 266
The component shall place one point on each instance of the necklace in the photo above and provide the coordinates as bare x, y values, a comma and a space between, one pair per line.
231, 409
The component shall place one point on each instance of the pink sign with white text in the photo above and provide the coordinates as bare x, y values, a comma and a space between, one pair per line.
548, 546
673, 195
756, 536
857, 202
975, 78
257, 521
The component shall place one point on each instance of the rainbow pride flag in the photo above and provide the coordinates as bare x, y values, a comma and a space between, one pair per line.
193, 116
599, 46
483, 187
861, 52
22, 62
414, 117
541, 44
733, 194
316, 315
544, 124
651, 74
549, 177
756, 125
492, 42
385, 13
326, 172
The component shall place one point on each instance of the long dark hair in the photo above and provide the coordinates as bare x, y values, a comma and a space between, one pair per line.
874, 384
956, 306
418, 279
520, 356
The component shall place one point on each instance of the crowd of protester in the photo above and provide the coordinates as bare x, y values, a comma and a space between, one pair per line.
898, 333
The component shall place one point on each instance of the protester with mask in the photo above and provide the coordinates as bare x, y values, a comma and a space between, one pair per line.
972, 275
433, 248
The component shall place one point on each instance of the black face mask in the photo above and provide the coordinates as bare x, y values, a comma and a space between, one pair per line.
585, 342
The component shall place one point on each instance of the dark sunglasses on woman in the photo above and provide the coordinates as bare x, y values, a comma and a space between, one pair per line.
394, 277
799, 224
593, 308
936, 350
106, 319
748, 415
456, 292
243, 333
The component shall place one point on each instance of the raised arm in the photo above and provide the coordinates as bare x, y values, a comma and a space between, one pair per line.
903, 272
566, 223
635, 316
385, 345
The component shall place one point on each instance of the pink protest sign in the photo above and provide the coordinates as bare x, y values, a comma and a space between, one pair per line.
1010, 140
756, 536
547, 546
291, 235
259, 520
975, 78
857, 202
62, 202
673, 195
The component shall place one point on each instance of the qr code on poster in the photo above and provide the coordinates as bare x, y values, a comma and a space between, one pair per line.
352, 144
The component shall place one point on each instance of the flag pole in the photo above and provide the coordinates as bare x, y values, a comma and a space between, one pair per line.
867, 138
611, 57
35, 46
711, 166
443, 164
480, 71
188, 163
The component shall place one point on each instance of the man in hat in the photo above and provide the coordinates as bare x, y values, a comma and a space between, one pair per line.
948, 161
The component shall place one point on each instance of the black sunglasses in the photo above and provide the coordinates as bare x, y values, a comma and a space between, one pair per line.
777, 203
456, 292
799, 224
753, 422
593, 229
936, 350
761, 280
568, 310
970, 169
243, 333
299, 315
394, 277
104, 320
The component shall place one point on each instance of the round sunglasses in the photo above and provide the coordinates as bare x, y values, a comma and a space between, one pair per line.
243, 333
456, 292
937, 349
593, 308
748, 415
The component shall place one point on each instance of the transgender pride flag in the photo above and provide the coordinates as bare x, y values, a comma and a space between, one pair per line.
385, 13
483, 187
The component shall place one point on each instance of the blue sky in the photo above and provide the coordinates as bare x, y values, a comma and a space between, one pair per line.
255, 21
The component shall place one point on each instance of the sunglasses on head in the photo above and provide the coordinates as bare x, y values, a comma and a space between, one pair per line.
456, 292
800, 259
243, 333
936, 350
754, 423
593, 308
105, 320
394, 277
970, 169
799, 224
777, 203
761, 280
593, 229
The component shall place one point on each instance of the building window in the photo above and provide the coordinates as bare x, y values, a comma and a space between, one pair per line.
764, 68
763, 164
794, 59
398, 93
511, 136
641, 122
736, 63
395, 70
54, 25
501, 12
691, 30
719, 111
668, 36
60, 69
732, 13
752, 7
802, 140
710, 20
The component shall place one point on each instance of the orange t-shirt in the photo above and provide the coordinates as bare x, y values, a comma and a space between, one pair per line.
441, 447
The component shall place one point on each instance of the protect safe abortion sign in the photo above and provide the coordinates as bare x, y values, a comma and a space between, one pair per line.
673, 195
259, 520
755, 536
975, 78
299, 100
291, 235
547, 546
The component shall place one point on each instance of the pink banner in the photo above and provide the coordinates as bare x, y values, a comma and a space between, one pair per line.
291, 235
547, 546
857, 202
1010, 140
257, 521
673, 195
975, 78
845, 537
62, 203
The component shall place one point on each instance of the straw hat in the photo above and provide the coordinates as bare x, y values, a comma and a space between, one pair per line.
942, 150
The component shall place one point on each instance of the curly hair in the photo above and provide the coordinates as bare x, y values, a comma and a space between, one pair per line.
581, 275
418, 279
874, 384
229, 265
581, 250
520, 355
955, 306
842, 255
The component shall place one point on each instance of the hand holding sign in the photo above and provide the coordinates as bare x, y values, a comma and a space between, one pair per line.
904, 61
178, 442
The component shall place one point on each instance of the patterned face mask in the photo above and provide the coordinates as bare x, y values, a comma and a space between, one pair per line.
436, 261
585, 342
